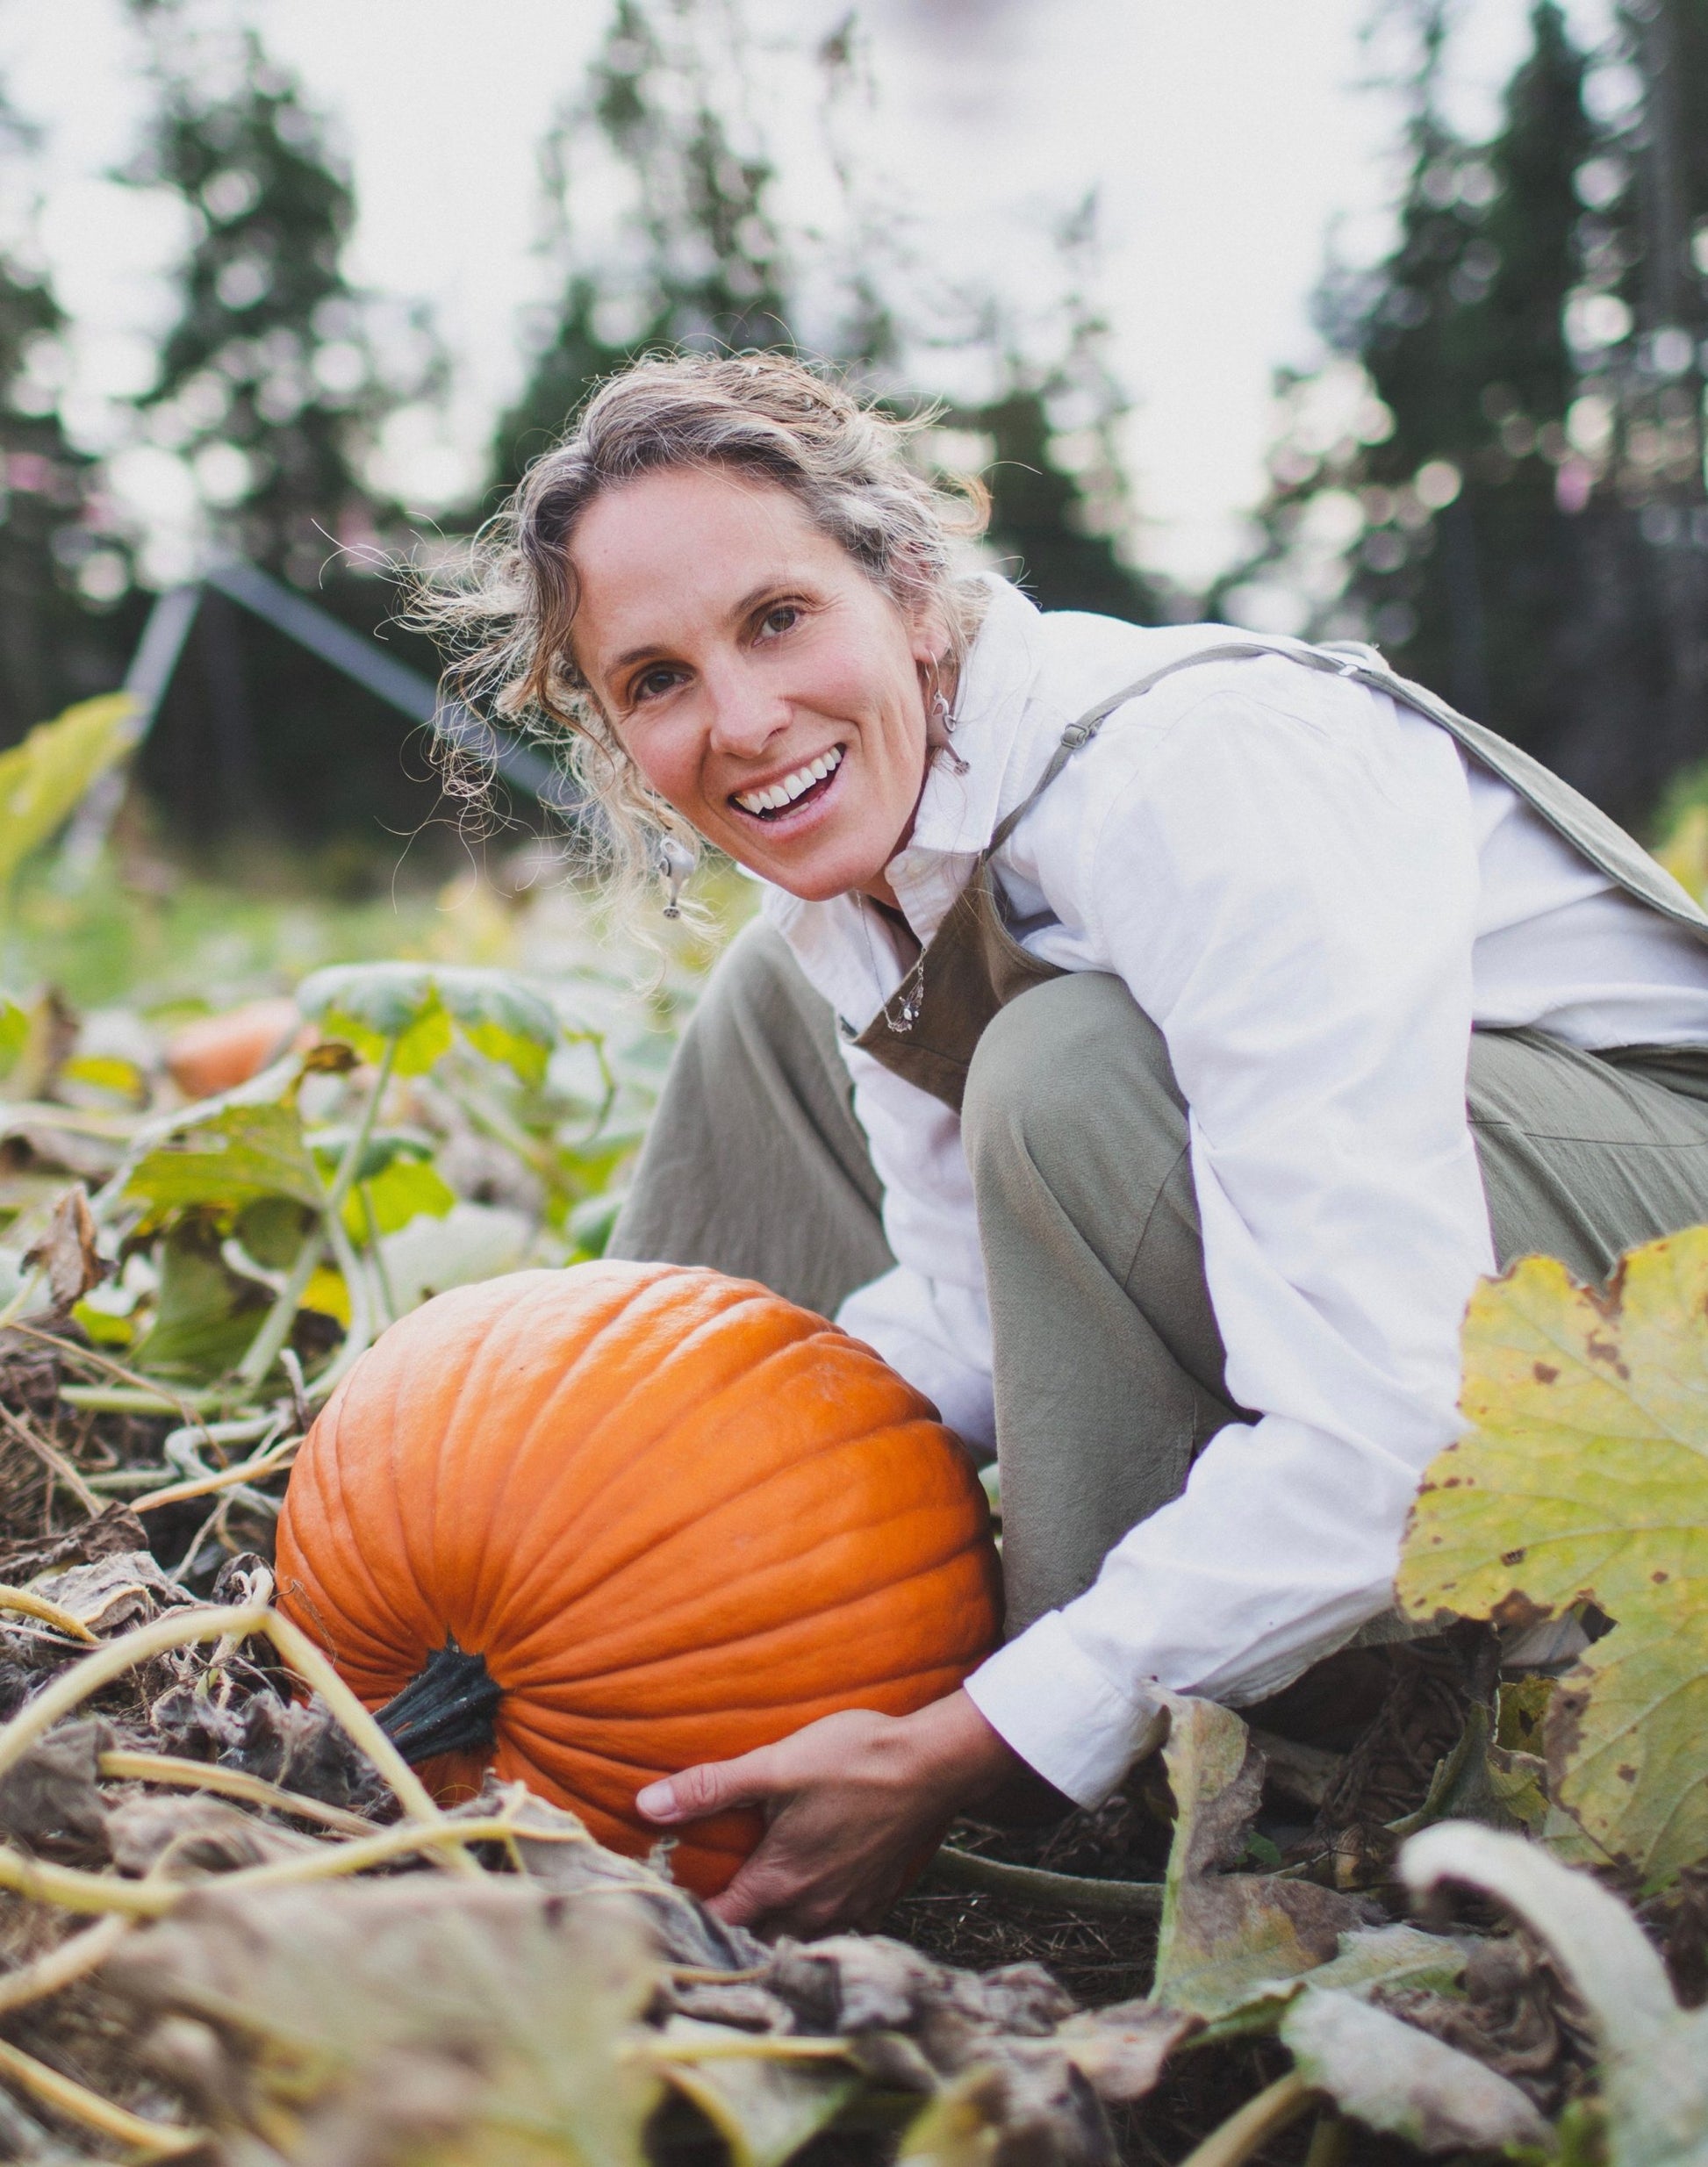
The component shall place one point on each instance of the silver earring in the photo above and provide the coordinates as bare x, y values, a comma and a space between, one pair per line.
943, 716
676, 864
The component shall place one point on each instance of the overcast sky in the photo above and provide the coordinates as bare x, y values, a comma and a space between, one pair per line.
1226, 139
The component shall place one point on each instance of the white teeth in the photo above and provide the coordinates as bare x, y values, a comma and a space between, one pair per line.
775, 796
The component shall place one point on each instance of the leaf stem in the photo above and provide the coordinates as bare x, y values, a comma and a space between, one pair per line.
153, 2139
388, 1301
276, 1329
1033, 1885
1256, 2122
159, 1767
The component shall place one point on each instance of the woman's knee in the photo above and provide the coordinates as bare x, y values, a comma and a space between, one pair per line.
1077, 1077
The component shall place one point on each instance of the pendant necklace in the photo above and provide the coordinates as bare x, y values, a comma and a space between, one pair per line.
910, 994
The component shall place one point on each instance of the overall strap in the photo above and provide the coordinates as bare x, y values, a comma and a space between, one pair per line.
1081, 732
1572, 816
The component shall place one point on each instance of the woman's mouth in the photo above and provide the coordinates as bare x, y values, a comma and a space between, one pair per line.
791, 792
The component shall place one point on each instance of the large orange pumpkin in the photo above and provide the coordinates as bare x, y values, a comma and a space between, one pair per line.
595, 1526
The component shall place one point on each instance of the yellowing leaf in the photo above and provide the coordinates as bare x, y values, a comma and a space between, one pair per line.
101, 1326
1584, 1477
327, 1295
108, 1072
14, 1031
42, 779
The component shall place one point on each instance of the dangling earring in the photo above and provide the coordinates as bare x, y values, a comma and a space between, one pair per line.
676, 864
943, 716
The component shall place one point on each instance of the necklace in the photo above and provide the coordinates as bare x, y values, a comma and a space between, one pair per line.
901, 1012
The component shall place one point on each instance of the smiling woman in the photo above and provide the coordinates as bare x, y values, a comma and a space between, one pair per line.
722, 543
1147, 1074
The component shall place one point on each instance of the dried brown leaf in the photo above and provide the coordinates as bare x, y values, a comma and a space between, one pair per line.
392, 2024
66, 1253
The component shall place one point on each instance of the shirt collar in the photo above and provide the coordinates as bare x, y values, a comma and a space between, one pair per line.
958, 813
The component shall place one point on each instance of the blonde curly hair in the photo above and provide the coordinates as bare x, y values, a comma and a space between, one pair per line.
508, 614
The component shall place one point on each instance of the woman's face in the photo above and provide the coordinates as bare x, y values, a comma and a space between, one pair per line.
762, 683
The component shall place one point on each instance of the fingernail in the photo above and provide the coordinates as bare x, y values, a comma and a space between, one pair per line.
658, 1801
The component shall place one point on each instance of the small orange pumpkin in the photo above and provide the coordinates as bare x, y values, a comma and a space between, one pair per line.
595, 1526
217, 1052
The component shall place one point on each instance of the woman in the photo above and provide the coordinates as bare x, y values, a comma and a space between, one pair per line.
1215, 1012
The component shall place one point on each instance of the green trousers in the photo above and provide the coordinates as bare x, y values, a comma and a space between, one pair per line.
1109, 1361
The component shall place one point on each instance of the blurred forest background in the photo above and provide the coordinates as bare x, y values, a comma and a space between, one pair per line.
1496, 473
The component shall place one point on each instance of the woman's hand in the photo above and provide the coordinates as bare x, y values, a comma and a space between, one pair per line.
852, 1800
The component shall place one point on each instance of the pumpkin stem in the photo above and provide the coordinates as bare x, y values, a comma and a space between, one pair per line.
447, 1707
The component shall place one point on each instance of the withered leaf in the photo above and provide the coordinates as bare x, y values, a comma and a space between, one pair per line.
114, 1531
52, 1799
764, 2111
1388, 2075
67, 1252
473, 2024
1226, 1935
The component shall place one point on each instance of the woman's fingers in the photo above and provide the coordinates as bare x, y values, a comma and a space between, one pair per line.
713, 1787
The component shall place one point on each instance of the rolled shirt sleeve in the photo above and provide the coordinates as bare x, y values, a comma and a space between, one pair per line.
1287, 880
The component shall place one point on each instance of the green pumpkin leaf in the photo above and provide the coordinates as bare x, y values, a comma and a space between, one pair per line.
204, 1315
406, 1189
241, 1154
1583, 1477
383, 1146
273, 1230
417, 1004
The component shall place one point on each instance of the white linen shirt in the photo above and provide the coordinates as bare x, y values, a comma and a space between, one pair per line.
1314, 895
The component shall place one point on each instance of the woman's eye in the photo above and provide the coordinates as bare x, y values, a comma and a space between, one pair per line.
783, 618
651, 684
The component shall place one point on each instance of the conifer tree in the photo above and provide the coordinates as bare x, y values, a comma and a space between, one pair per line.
63, 564
1514, 517
1447, 479
699, 258
1642, 319
1061, 506
269, 382
695, 258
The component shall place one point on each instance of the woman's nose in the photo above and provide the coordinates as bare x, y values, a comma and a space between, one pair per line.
745, 717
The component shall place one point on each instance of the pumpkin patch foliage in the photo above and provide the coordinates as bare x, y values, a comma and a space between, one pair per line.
237, 1924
